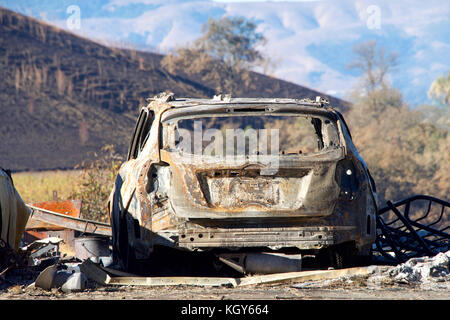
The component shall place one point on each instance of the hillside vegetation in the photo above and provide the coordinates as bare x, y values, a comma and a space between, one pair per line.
62, 96
406, 154
407, 150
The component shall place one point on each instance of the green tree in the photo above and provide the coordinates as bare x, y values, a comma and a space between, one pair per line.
95, 183
223, 55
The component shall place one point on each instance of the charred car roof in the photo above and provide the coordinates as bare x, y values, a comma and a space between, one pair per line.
183, 107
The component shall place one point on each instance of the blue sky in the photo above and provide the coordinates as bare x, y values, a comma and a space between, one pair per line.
311, 41
231, 1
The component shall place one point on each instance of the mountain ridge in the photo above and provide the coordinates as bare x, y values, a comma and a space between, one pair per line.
63, 96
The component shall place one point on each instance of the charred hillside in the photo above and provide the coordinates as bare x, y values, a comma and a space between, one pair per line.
62, 95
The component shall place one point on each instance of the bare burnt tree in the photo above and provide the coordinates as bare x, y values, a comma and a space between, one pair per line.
374, 63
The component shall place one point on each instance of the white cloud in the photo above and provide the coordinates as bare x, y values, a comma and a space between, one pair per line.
291, 27
247, 1
123, 3
439, 67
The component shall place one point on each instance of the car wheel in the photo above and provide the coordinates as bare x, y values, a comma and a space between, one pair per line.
127, 255
364, 260
342, 256
123, 252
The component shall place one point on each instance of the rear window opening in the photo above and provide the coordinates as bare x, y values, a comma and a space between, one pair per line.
251, 135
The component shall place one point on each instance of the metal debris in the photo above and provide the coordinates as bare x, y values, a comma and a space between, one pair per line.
99, 275
67, 277
262, 263
43, 250
304, 276
92, 246
37, 229
69, 222
74, 283
46, 278
413, 227
95, 248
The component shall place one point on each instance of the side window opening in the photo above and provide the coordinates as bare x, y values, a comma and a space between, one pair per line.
330, 134
146, 130
142, 130
317, 123
345, 124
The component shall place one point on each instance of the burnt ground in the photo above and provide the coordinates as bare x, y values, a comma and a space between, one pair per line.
425, 278
353, 288
264, 292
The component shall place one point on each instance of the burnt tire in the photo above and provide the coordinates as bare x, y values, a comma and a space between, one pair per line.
364, 260
123, 253
126, 253
341, 256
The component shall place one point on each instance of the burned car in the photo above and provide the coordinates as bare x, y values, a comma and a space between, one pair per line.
241, 178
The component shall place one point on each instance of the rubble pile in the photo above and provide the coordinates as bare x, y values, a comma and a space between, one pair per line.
43, 262
423, 270
426, 272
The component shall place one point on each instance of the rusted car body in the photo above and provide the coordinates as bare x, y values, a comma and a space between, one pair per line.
322, 200
14, 213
